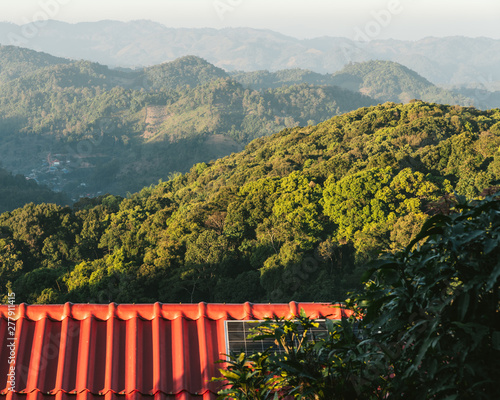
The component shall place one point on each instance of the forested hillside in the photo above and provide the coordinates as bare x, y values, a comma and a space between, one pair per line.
390, 81
85, 129
186, 71
381, 80
293, 216
16, 62
16, 191
264, 79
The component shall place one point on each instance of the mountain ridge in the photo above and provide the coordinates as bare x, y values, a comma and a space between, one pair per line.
447, 60
117, 131
381, 80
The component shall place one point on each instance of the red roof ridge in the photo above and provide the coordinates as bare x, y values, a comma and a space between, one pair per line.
125, 312
107, 391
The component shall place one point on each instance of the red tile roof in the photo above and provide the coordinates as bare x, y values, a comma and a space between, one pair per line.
129, 352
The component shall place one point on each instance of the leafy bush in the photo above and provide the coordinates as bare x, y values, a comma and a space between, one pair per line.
434, 311
306, 367
429, 317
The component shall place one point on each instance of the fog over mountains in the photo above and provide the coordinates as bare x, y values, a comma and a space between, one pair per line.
473, 62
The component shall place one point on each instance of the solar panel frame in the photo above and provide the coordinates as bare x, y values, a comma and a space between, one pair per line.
240, 329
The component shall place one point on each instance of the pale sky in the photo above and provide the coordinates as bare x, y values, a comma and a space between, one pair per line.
381, 19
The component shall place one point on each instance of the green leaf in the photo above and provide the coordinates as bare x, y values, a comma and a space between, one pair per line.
330, 326
473, 235
474, 330
495, 339
463, 305
432, 368
367, 274
229, 374
490, 245
492, 280
390, 274
432, 226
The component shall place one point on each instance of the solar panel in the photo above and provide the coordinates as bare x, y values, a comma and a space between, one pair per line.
237, 340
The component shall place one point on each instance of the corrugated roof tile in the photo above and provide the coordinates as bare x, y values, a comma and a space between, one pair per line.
127, 351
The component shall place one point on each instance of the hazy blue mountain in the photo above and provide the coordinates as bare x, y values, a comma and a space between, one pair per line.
265, 79
381, 80
482, 98
451, 60
390, 81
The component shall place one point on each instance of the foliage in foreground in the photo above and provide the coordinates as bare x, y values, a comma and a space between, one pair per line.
430, 325
308, 367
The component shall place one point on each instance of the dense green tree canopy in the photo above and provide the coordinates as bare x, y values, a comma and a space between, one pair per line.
293, 216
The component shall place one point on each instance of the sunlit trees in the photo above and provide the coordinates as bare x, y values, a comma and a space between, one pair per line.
297, 214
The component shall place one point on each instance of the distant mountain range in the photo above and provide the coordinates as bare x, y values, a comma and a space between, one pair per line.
448, 60
381, 80
82, 128
85, 129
